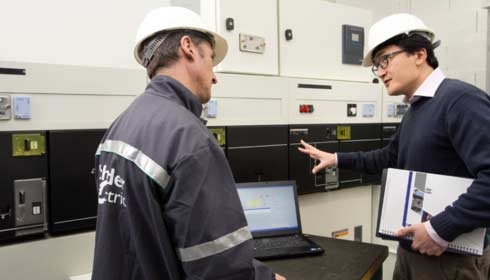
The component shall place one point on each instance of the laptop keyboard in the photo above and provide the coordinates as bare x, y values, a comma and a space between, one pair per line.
280, 242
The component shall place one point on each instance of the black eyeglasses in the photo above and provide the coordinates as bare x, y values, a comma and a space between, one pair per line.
383, 61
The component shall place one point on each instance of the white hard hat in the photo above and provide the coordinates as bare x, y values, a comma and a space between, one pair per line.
174, 18
391, 26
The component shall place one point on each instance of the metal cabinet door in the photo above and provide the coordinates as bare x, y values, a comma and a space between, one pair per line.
258, 153
73, 194
315, 50
251, 36
322, 136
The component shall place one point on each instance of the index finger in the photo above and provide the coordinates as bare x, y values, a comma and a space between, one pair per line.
403, 231
305, 144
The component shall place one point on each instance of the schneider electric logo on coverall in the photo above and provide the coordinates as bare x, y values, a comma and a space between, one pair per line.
111, 187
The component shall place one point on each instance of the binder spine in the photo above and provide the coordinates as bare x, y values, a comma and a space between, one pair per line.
387, 232
463, 249
456, 248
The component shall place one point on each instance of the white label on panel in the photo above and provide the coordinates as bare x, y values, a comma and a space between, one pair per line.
22, 107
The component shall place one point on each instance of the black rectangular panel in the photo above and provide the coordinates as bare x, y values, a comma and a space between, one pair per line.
257, 153
322, 136
259, 163
73, 194
240, 136
11, 169
300, 166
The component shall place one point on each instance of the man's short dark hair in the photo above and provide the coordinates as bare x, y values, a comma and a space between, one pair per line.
411, 43
167, 53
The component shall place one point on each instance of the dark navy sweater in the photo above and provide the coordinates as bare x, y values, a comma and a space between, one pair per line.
448, 134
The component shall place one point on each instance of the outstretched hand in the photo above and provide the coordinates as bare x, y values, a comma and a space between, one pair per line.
422, 241
326, 159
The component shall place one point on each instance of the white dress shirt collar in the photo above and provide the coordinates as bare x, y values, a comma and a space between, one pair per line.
428, 87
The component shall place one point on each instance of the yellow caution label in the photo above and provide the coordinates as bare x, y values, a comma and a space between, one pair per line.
220, 135
343, 132
29, 144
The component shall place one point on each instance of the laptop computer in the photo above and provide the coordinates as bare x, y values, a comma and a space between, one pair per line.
272, 213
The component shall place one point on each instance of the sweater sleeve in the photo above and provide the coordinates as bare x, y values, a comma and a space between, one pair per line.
206, 220
372, 162
468, 126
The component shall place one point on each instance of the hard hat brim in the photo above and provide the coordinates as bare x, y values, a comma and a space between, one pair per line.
220, 48
368, 61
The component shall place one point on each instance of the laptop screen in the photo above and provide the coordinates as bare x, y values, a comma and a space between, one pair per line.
270, 207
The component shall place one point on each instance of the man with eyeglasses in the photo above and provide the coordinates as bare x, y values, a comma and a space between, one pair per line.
445, 131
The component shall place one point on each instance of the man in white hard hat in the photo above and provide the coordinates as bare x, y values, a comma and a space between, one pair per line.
446, 131
168, 206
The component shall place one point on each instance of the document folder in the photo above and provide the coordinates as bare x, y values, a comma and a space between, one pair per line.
409, 197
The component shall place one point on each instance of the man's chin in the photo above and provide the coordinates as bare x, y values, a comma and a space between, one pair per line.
393, 92
205, 100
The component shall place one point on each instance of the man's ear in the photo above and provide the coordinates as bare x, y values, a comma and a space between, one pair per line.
188, 48
421, 56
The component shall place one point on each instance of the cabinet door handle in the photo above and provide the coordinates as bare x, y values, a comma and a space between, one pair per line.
12, 71
314, 86
298, 131
288, 34
230, 24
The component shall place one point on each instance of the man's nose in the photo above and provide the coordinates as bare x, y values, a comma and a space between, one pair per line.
214, 79
381, 72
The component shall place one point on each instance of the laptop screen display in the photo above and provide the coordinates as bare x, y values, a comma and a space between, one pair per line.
269, 207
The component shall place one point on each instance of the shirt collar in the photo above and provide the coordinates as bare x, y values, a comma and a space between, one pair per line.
428, 87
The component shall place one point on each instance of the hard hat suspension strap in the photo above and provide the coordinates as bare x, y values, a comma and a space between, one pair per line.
421, 33
151, 47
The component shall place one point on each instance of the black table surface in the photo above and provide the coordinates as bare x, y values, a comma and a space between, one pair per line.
343, 259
